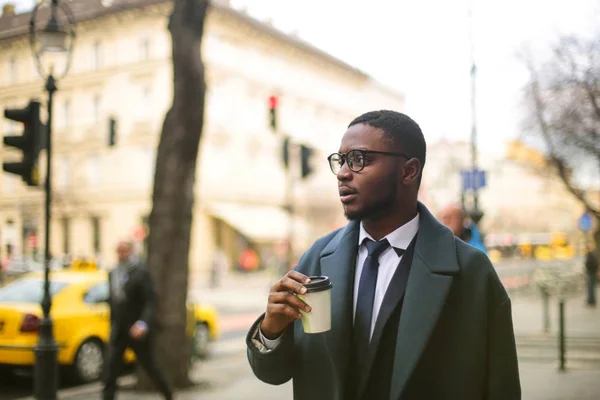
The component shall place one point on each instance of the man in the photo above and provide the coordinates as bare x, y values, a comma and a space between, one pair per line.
132, 310
453, 216
591, 268
426, 319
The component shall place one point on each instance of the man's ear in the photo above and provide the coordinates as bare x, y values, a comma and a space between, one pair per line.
411, 171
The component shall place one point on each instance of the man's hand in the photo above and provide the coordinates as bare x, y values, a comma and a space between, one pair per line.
283, 305
138, 330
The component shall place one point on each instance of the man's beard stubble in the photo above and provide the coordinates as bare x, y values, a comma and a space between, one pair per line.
379, 208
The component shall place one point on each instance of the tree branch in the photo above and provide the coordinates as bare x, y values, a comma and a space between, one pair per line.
545, 130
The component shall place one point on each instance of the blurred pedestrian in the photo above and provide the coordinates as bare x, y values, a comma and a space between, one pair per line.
132, 301
454, 217
415, 312
591, 268
218, 268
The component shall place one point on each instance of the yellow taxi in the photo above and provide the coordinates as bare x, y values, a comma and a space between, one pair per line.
81, 318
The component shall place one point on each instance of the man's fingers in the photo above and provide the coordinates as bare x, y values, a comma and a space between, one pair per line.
287, 284
288, 298
298, 276
283, 309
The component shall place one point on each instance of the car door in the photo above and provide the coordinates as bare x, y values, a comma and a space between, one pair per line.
96, 301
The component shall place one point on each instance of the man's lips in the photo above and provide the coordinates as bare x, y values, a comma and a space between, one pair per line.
347, 195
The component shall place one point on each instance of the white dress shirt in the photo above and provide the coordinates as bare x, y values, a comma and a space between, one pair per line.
388, 263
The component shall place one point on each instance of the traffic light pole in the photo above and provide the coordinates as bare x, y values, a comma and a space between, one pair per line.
46, 367
476, 213
289, 194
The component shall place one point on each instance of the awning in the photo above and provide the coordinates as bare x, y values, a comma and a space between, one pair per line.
260, 223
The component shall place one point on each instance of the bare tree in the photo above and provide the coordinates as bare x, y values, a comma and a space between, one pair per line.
173, 197
563, 95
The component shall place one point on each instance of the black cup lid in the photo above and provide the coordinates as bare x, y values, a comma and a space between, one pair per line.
318, 284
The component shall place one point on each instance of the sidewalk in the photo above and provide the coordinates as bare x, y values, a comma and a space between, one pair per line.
235, 381
528, 315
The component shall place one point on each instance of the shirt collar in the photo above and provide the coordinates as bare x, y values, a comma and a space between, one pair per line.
400, 238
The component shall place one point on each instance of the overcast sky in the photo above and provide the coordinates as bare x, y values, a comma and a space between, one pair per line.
422, 48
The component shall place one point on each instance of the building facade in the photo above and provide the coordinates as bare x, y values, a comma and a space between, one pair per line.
121, 69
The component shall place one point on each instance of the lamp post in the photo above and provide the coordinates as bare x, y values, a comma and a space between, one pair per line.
476, 214
54, 37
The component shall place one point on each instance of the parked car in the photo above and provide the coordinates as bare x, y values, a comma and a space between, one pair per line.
81, 317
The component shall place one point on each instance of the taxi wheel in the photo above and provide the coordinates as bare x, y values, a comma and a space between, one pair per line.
201, 340
89, 361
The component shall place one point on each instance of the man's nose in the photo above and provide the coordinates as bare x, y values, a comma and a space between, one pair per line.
345, 173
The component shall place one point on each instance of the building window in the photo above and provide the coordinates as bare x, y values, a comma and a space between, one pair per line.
12, 71
66, 234
96, 234
145, 48
97, 56
96, 109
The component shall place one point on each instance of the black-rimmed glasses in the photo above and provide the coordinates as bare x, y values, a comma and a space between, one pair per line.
355, 159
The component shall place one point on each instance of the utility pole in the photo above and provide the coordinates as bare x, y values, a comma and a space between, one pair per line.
476, 214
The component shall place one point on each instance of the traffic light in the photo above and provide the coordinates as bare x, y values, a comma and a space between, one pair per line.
306, 154
112, 132
30, 143
273, 112
286, 152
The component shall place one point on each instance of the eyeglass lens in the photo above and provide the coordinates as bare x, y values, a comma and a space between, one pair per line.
354, 158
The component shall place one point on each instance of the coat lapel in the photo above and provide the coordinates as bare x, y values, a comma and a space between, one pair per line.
431, 276
338, 261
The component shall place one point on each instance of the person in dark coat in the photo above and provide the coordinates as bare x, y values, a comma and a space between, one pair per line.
591, 268
416, 312
132, 302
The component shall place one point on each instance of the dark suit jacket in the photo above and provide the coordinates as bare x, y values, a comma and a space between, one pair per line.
139, 301
454, 338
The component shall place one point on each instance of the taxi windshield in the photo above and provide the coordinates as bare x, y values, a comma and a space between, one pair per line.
27, 290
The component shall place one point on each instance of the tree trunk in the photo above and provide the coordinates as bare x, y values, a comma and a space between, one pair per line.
173, 197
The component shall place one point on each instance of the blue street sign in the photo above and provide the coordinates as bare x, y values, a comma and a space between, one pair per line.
585, 222
473, 179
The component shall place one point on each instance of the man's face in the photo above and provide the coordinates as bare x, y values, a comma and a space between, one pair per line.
373, 191
452, 217
123, 251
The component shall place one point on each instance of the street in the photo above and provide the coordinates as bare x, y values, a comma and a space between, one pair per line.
226, 374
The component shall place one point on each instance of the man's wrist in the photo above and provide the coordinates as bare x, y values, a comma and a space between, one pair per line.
267, 333
270, 344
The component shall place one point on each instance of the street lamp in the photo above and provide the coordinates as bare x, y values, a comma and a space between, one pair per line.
54, 37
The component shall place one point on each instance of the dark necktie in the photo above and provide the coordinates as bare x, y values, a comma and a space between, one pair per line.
365, 299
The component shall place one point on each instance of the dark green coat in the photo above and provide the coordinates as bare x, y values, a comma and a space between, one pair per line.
454, 340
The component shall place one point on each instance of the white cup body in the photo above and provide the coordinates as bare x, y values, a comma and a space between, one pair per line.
319, 318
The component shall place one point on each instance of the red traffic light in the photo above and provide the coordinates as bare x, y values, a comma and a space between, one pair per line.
273, 100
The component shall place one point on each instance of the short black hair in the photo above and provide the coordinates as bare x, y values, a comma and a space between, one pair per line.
403, 131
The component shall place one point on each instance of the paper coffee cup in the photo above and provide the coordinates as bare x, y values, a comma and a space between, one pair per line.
318, 297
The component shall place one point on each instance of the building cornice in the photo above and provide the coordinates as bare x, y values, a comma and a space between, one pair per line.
89, 12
